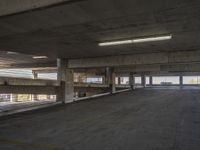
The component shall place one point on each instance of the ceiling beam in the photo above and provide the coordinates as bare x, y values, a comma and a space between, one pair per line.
12, 7
45, 70
24, 81
178, 57
34, 66
193, 67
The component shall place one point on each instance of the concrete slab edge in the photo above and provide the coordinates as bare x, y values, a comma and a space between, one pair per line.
12, 112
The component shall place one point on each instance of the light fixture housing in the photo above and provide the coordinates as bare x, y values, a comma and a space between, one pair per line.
137, 40
11, 53
40, 57
115, 43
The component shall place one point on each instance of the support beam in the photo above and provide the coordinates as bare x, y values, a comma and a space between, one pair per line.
23, 81
157, 68
167, 58
46, 70
131, 81
113, 85
69, 86
150, 80
143, 80
35, 76
110, 78
107, 76
66, 80
34, 66
10, 7
13, 98
118, 80
181, 80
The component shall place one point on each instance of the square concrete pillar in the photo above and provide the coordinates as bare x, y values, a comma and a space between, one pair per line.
34, 97
35, 76
13, 97
65, 78
181, 80
150, 80
131, 81
110, 79
143, 80
108, 76
113, 84
119, 80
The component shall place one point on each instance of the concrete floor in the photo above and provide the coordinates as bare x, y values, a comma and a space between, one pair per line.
148, 119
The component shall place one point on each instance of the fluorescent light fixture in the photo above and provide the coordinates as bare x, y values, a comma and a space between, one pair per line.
152, 39
12, 53
40, 57
139, 40
115, 43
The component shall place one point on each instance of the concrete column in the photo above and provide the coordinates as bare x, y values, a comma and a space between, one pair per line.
110, 79
34, 96
131, 81
35, 75
13, 97
66, 81
48, 97
143, 80
103, 79
150, 81
181, 80
108, 76
119, 80
113, 84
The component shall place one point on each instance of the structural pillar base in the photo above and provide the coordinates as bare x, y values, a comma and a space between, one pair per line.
66, 81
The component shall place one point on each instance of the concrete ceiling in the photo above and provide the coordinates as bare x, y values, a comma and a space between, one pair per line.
73, 30
11, 59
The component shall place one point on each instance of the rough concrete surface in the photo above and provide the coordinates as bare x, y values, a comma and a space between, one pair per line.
148, 119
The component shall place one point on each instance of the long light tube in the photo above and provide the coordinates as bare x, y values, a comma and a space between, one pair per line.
139, 40
40, 57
